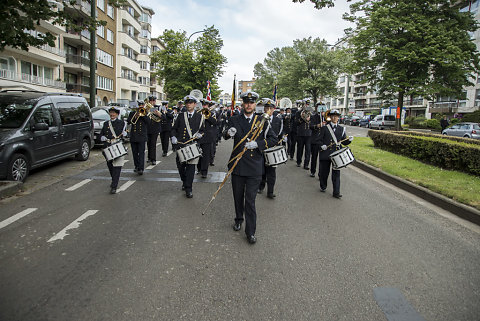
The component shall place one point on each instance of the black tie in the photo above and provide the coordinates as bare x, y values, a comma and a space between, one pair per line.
189, 116
334, 127
249, 119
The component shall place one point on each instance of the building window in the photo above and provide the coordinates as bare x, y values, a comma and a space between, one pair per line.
104, 58
110, 11
7, 64
101, 5
101, 31
142, 96
130, 11
109, 35
145, 65
130, 31
144, 81
145, 50
145, 34
145, 17
104, 83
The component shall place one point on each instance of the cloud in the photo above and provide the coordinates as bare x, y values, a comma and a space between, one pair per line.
249, 28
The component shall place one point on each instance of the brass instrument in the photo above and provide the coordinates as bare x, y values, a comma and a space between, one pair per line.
207, 112
150, 114
327, 116
141, 111
305, 114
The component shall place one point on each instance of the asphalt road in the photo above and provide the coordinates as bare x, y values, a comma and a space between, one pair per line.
147, 253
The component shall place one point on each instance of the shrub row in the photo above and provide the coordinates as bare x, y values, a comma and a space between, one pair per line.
440, 152
452, 138
422, 122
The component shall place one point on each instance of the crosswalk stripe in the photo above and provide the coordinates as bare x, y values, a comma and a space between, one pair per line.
152, 166
125, 186
78, 185
75, 224
170, 153
16, 217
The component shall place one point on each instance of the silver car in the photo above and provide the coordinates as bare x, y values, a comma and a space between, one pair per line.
467, 130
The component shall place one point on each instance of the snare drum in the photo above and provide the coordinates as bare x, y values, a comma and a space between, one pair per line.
275, 156
341, 158
189, 153
114, 151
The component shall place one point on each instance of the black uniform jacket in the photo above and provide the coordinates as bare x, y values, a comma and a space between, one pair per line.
167, 119
277, 126
118, 126
252, 162
315, 120
154, 127
295, 111
179, 129
210, 130
326, 139
138, 132
303, 127
287, 124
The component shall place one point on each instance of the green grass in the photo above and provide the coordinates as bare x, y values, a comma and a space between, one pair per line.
459, 186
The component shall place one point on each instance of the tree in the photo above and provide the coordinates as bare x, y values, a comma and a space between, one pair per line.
319, 4
25, 15
406, 47
186, 66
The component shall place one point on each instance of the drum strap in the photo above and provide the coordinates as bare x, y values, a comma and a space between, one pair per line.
333, 135
112, 130
187, 124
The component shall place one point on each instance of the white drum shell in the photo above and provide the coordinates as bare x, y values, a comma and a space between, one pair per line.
275, 156
188, 153
114, 151
341, 158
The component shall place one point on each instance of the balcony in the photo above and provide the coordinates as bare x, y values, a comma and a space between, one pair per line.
79, 6
77, 63
80, 89
77, 38
128, 63
30, 79
127, 18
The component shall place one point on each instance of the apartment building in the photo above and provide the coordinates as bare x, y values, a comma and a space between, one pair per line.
156, 86
245, 85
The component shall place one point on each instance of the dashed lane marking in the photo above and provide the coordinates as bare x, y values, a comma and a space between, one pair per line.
16, 217
78, 185
75, 224
125, 186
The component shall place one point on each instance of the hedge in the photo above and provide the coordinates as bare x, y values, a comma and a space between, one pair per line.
438, 151
440, 136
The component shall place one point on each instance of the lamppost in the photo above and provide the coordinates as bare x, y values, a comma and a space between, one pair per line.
195, 33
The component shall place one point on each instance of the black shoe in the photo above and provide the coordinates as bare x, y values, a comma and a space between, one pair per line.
291, 157
164, 154
197, 172
260, 191
183, 188
271, 195
298, 165
212, 164
337, 196
306, 167
140, 172
312, 174
237, 227
251, 239
113, 190
154, 162
322, 190
135, 170
204, 175
189, 194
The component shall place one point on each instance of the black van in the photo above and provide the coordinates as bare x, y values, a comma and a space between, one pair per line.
38, 128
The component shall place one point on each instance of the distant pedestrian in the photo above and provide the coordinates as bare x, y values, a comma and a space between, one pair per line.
444, 123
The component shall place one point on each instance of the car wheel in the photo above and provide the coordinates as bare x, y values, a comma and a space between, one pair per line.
466, 136
18, 168
83, 151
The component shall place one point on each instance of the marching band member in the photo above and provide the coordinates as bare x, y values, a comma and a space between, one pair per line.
330, 137
287, 127
153, 130
304, 136
316, 123
166, 129
112, 131
188, 125
207, 141
247, 174
138, 137
270, 172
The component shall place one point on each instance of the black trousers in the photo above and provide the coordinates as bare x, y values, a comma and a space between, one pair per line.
114, 173
269, 178
138, 153
165, 139
187, 173
292, 141
244, 194
314, 159
303, 142
204, 161
152, 146
324, 172
214, 152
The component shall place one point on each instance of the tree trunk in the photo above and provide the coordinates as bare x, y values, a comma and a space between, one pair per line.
398, 116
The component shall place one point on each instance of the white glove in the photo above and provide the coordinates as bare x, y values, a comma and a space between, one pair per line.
198, 135
232, 131
350, 138
174, 140
285, 139
103, 139
251, 145
324, 147
124, 134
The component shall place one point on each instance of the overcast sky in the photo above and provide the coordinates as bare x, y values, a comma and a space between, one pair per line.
249, 28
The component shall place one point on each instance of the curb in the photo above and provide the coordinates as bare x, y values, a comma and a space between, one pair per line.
8, 188
466, 212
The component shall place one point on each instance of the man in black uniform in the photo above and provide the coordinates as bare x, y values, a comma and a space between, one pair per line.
329, 146
316, 123
188, 125
207, 141
166, 130
287, 127
112, 132
275, 124
138, 137
247, 174
304, 136
153, 131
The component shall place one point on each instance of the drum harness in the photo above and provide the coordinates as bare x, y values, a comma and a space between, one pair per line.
189, 130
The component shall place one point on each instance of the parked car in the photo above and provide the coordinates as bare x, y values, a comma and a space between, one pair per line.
468, 130
39, 128
99, 116
365, 121
383, 121
352, 121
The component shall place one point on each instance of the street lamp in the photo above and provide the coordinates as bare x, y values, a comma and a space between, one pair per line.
195, 33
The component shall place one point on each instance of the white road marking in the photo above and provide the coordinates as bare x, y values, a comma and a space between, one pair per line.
16, 217
158, 143
75, 224
126, 161
152, 166
125, 186
170, 153
78, 185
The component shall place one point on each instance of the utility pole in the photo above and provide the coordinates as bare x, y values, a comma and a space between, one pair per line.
93, 32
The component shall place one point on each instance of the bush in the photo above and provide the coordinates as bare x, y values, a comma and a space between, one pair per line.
433, 124
440, 136
453, 121
472, 117
409, 120
437, 151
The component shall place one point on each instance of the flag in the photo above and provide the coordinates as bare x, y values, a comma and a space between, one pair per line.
233, 92
209, 94
275, 93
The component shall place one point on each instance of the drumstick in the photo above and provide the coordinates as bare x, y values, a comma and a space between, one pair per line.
343, 140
